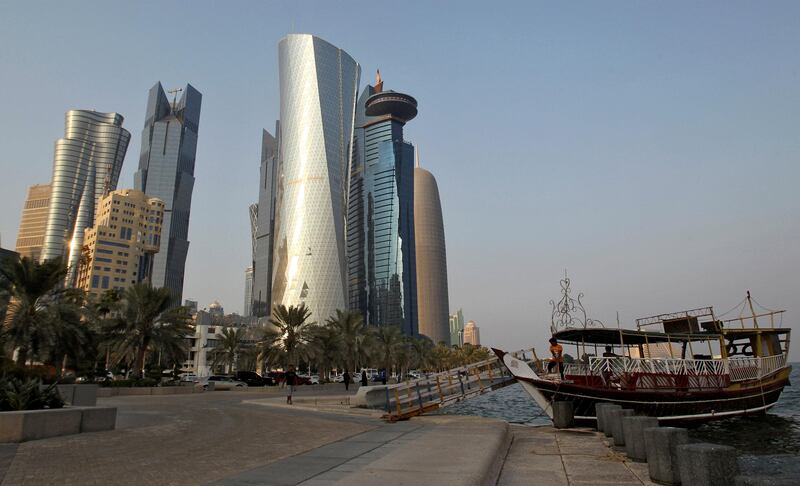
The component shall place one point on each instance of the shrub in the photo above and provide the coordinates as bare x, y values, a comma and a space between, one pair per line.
16, 394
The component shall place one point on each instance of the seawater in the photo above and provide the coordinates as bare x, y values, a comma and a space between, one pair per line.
776, 432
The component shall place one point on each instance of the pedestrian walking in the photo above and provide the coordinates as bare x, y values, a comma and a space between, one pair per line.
291, 378
346, 378
364, 378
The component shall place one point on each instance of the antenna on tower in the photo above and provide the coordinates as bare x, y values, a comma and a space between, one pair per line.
175, 98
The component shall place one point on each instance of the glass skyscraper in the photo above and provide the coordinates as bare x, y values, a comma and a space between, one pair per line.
381, 248
166, 171
86, 165
305, 191
262, 226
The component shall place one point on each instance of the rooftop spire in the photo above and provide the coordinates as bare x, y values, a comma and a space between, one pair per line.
378, 82
416, 156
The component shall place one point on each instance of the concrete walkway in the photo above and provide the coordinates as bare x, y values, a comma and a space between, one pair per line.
545, 455
428, 450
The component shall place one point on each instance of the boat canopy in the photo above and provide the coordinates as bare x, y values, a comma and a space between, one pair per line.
614, 336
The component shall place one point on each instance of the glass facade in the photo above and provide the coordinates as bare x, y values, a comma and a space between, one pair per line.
262, 221
166, 171
381, 259
318, 88
86, 165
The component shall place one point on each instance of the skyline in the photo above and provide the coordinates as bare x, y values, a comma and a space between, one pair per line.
642, 182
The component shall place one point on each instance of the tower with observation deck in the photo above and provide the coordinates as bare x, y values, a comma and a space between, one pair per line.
382, 277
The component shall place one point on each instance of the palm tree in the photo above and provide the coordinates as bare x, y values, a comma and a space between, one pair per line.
146, 323
387, 339
423, 352
33, 289
354, 336
327, 345
227, 350
288, 341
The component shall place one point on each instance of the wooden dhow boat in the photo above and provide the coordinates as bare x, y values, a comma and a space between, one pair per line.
697, 368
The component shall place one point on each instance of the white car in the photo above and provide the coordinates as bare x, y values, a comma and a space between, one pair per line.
338, 379
224, 382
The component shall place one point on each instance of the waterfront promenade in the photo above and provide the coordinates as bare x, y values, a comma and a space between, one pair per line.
246, 438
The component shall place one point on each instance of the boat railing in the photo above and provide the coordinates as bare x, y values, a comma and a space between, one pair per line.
743, 368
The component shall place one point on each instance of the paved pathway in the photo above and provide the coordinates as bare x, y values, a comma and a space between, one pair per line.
176, 440
545, 455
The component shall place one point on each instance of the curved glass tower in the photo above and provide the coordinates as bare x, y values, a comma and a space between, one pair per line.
86, 165
318, 89
432, 298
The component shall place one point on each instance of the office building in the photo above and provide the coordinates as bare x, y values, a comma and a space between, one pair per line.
33, 224
456, 328
262, 226
380, 220
432, 299
166, 171
86, 166
472, 334
191, 305
248, 291
318, 89
118, 250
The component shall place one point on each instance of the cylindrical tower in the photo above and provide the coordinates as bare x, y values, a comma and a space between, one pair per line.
86, 165
432, 299
318, 89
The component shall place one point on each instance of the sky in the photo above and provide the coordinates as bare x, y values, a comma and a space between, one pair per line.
649, 149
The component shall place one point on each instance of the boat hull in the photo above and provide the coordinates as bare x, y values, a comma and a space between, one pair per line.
672, 407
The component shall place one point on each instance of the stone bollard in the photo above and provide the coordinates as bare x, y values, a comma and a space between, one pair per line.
633, 431
605, 411
599, 410
661, 446
614, 418
563, 417
707, 464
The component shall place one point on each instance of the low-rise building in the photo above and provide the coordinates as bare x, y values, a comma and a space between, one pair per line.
118, 250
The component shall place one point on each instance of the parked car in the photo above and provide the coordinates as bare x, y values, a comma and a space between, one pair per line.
339, 378
314, 379
225, 382
251, 378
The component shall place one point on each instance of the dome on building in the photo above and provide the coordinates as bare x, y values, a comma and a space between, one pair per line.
470, 325
215, 305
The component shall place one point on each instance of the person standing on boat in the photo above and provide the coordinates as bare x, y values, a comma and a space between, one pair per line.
556, 357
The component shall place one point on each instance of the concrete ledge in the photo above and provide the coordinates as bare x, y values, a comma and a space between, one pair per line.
370, 397
108, 392
97, 419
38, 424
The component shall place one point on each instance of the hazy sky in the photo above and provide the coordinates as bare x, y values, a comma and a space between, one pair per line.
650, 148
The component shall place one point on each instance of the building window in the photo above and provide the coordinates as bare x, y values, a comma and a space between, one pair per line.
105, 283
95, 280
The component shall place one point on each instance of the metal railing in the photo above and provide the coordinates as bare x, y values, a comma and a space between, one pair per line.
743, 368
435, 390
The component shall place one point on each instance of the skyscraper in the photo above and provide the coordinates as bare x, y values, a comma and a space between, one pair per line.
119, 247
318, 89
262, 226
456, 328
33, 224
472, 334
248, 291
432, 299
86, 166
166, 171
380, 224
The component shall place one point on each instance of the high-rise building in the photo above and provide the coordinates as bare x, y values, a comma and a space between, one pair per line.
191, 304
432, 298
262, 226
472, 334
118, 250
166, 171
380, 220
318, 89
33, 224
86, 166
248, 291
456, 328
